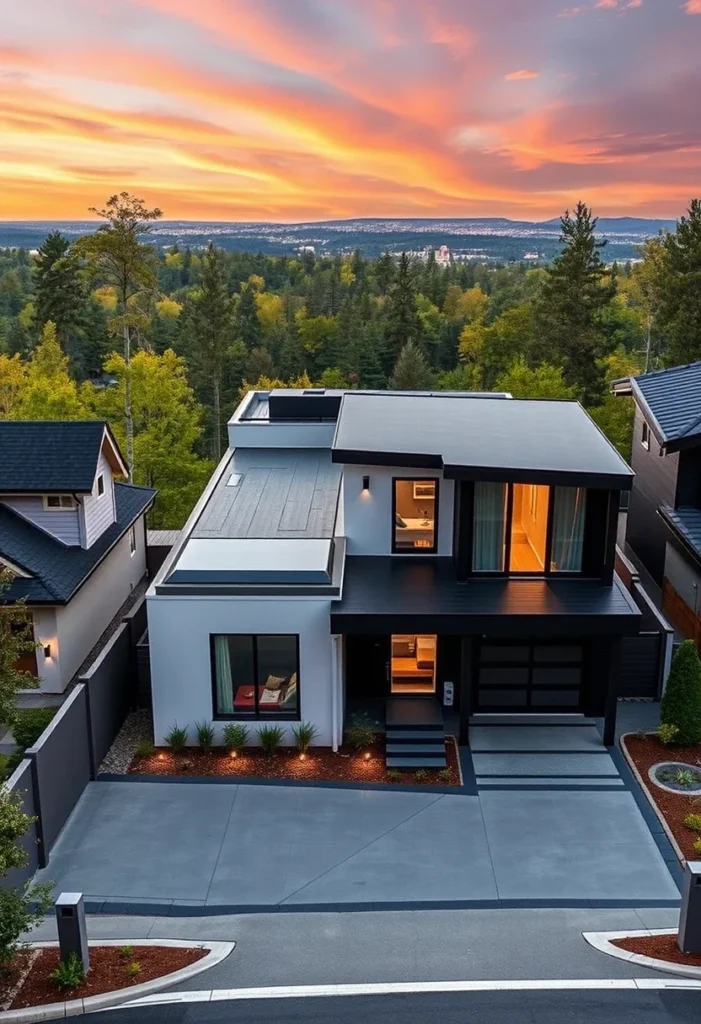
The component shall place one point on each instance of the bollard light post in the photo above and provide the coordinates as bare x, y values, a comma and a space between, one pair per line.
72, 930
689, 936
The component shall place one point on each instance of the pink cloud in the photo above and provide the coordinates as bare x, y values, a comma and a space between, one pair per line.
692, 6
521, 76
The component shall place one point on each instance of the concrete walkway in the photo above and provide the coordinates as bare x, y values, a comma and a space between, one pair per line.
553, 824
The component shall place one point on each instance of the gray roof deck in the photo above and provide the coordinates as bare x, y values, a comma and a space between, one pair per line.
281, 494
479, 437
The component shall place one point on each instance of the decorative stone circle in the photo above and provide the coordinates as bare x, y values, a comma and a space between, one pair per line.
676, 777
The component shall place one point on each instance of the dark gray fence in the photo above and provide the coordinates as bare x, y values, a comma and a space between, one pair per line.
143, 672
108, 697
62, 768
21, 781
641, 663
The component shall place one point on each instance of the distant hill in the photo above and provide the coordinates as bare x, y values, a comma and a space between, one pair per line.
490, 238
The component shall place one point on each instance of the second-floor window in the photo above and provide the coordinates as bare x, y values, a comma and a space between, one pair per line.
527, 529
415, 516
61, 502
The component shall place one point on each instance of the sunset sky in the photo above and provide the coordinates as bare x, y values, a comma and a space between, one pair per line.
313, 109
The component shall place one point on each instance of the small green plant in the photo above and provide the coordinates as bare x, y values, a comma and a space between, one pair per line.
205, 735
693, 822
126, 952
360, 733
444, 774
681, 702
177, 738
30, 724
144, 749
304, 734
667, 734
70, 973
271, 737
697, 846
394, 775
235, 736
420, 774
133, 968
684, 777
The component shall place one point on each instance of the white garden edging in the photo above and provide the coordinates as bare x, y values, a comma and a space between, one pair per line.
603, 941
651, 798
218, 951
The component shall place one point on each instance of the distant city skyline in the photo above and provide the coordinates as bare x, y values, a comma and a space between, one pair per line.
309, 110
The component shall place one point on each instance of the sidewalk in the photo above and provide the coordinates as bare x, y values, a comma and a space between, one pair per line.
395, 946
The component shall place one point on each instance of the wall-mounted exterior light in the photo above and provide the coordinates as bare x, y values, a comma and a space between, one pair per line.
47, 650
366, 483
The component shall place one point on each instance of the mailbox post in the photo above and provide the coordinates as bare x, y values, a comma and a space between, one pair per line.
689, 937
72, 930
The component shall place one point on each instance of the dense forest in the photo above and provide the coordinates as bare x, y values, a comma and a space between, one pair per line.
162, 342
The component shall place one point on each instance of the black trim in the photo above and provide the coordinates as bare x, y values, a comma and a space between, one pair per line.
554, 477
415, 480
255, 715
553, 625
402, 459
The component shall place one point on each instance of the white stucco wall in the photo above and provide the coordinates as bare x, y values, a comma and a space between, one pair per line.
181, 674
73, 629
367, 517
683, 577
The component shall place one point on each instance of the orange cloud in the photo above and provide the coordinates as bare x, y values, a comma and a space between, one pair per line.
521, 76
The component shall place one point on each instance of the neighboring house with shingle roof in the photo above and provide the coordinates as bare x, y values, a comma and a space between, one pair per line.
73, 538
664, 517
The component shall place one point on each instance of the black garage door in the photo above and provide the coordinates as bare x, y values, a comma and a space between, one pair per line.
529, 676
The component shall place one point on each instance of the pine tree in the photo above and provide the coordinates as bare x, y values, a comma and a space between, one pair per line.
411, 371
59, 292
385, 272
577, 290
403, 321
246, 319
678, 278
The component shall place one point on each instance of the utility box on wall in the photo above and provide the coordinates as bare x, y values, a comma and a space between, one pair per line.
689, 937
448, 693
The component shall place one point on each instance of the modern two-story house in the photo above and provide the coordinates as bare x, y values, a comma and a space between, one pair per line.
663, 527
73, 538
438, 549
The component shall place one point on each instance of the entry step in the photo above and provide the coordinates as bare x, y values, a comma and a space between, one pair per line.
425, 749
530, 719
418, 735
416, 762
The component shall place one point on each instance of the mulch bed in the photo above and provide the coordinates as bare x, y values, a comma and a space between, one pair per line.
661, 947
674, 806
321, 764
108, 972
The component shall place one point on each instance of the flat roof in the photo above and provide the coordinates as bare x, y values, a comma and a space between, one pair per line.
263, 561
479, 437
273, 493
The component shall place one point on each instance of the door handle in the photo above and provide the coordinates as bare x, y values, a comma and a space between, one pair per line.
387, 670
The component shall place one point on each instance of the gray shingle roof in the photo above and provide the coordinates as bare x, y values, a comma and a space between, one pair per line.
673, 399
47, 455
57, 571
685, 522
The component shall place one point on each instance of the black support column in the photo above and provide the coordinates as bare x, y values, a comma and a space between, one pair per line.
467, 683
614, 673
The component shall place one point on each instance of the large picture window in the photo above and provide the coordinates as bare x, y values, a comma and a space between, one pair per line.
255, 676
415, 515
527, 529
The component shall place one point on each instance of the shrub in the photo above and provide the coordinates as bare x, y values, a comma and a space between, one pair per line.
681, 703
126, 952
177, 738
693, 822
20, 911
205, 735
697, 846
70, 973
30, 724
271, 736
304, 733
133, 968
144, 749
667, 734
394, 775
235, 736
420, 774
444, 774
360, 733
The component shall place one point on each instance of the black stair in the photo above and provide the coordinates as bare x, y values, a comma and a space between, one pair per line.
415, 734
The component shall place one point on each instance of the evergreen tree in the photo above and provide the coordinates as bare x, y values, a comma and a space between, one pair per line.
678, 285
59, 291
207, 341
246, 318
403, 321
681, 702
568, 315
411, 371
385, 272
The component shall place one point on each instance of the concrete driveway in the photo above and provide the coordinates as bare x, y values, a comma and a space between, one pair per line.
243, 846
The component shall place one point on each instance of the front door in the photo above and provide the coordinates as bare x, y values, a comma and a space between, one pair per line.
367, 667
413, 665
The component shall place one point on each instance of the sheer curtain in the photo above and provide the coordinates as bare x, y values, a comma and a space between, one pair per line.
488, 528
225, 686
568, 529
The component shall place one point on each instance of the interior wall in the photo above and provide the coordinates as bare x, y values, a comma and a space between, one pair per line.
536, 527
408, 505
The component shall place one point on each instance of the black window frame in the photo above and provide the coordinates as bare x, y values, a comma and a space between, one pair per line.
412, 552
255, 715
506, 572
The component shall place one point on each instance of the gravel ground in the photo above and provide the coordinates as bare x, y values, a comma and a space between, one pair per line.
138, 726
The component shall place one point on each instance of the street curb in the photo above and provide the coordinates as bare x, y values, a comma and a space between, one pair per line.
653, 803
603, 942
218, 951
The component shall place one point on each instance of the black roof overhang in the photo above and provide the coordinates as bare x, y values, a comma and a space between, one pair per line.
551, 625
494, 474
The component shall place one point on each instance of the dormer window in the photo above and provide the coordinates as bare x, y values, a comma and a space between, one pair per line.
58, 502
645, 437
100, 484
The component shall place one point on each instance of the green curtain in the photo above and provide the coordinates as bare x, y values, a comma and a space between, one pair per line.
488, 527
225, 686
568, 529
